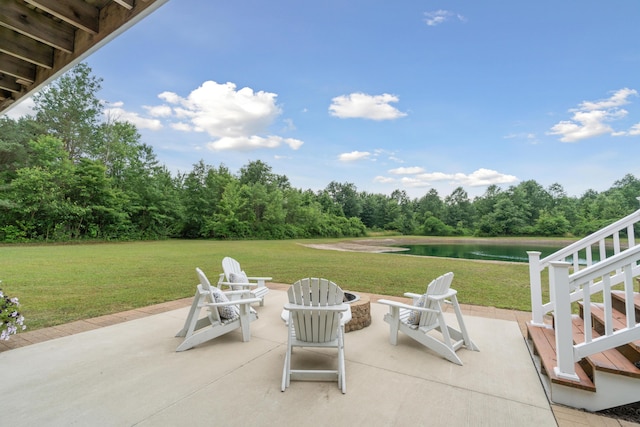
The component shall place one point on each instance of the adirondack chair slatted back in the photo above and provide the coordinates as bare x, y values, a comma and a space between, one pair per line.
403, 317
310, 325
230, 265
224, 313
205, 286
236, 279
438, 286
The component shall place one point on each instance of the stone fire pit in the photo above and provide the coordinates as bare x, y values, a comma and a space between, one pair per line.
360, 311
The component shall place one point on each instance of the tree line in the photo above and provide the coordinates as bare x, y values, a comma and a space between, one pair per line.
67, 173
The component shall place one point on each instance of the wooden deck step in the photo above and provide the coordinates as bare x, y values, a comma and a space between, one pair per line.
544, 345
618, 302
612, 361
619, 322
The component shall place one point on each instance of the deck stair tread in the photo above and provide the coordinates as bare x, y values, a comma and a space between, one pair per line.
611, 361
619, 298
544, 344
619, 321
621, 361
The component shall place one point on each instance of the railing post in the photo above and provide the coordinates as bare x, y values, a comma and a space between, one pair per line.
535, 286
559, 289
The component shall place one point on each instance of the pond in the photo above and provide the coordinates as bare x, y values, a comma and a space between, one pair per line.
495, 252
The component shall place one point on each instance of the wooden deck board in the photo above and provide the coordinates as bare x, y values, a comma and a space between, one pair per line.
611, 361
618, 319
544, 343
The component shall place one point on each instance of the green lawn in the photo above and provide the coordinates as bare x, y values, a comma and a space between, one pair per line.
62, 283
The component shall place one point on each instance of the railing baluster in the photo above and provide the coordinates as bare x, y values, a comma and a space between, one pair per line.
608, 307
628, 292
586, 314
616, 246
616, 242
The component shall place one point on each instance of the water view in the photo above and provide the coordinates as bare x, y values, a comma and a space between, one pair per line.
510, 253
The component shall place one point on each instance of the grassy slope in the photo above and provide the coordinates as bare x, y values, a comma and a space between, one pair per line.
62, 283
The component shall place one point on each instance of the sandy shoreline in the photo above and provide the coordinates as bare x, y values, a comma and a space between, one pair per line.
392, 244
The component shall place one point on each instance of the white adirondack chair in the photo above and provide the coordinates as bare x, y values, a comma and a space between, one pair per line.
420, 320
315, 307
236, 278
226, 312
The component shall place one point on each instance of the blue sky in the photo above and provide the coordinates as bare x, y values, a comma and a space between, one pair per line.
408, 95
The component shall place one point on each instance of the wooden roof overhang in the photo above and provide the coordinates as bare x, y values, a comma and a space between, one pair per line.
41, 39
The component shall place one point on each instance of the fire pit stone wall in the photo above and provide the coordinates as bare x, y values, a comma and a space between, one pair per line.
360, 314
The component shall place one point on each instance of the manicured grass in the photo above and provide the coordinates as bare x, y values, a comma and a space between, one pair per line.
62, 283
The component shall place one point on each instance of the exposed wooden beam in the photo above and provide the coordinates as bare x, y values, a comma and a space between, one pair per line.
18, 68
78, 13
128, 4
41, 39
25, 48
8, 83
18, 17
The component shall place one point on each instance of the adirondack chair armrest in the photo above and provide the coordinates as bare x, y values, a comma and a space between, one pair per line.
396, 304
201, 291
448, 294
258, 278
246, 284
424, 309
403, 305
412, 295
235, 302
297, 307
239, 295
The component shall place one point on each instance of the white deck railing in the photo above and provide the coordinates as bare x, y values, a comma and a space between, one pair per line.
574, 276
601, 277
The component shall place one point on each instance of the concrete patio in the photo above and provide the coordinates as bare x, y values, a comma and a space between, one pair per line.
122, 370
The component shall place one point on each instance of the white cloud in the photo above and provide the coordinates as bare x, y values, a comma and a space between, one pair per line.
582, 126
530, 137
289, 125
414, 182
238, 119
116, 112
591, 118
438, 17
183, 127
407, 171
222, 111
360, 105
437, 176
22, 108
390, 155
354, 156
383, 179
169, 97
159, 110
253, 142
481, 177
618, 99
